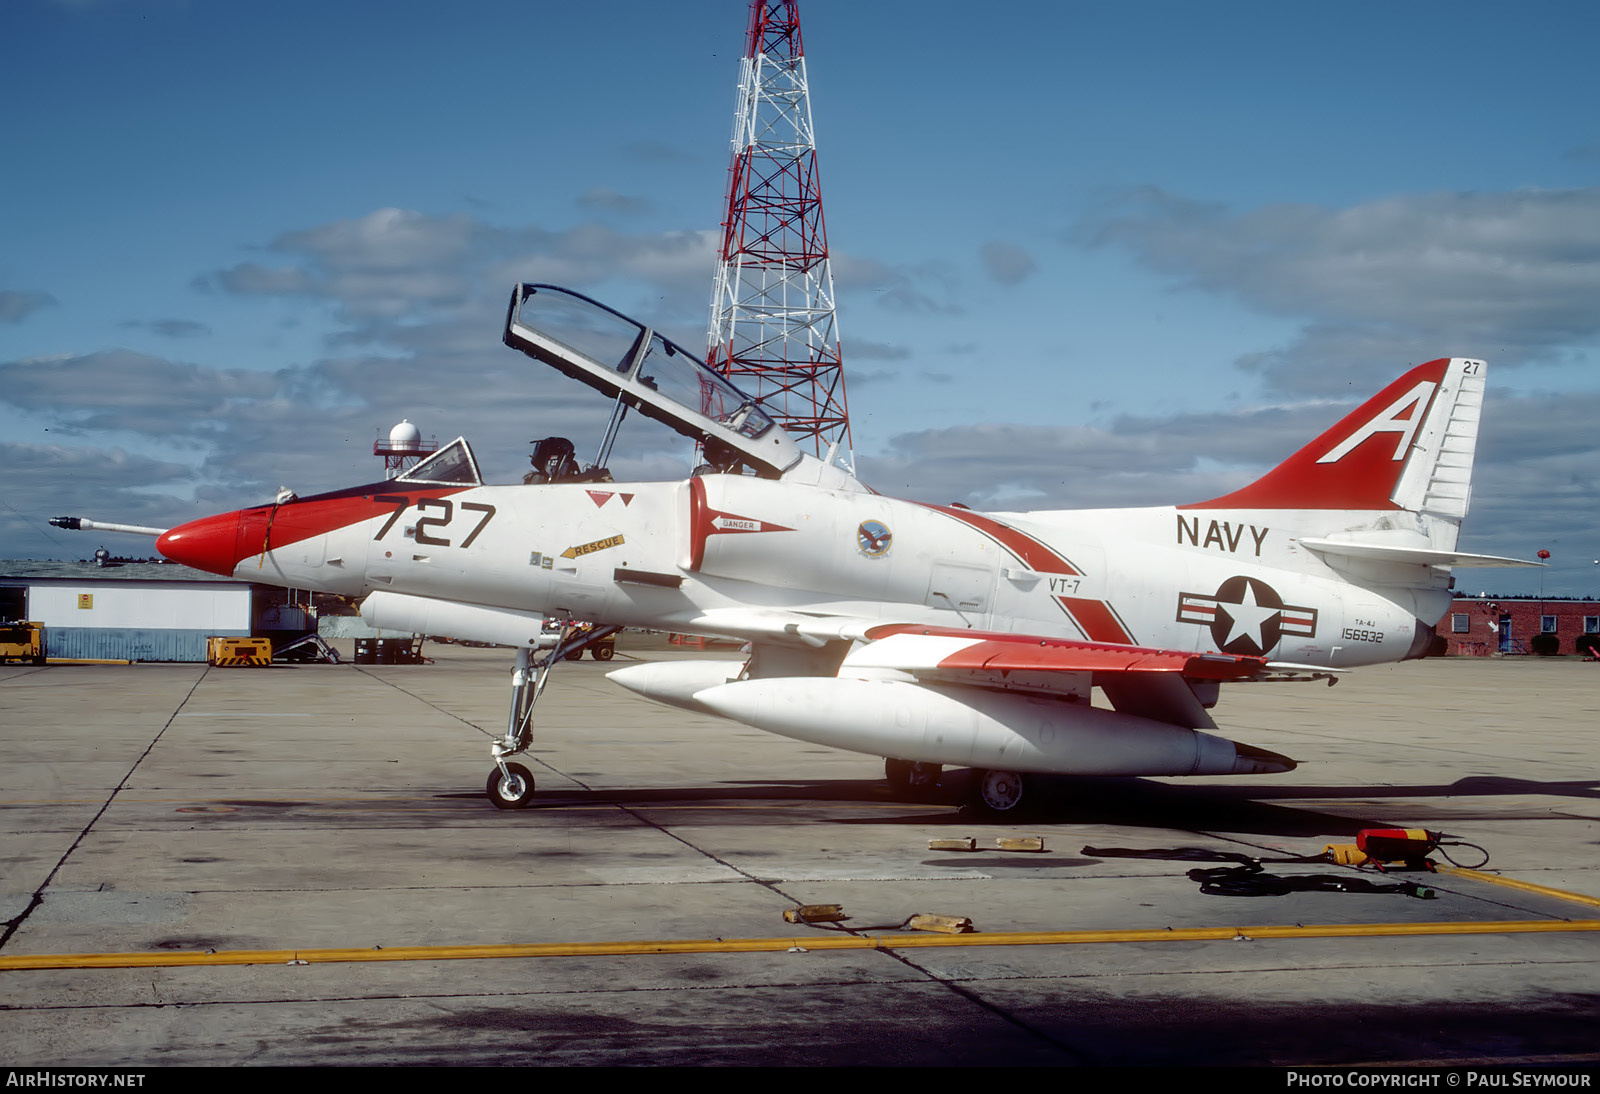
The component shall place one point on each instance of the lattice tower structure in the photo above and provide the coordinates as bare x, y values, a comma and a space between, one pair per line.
774, 331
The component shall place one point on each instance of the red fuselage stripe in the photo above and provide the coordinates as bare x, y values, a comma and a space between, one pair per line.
1095, 618
1033, 553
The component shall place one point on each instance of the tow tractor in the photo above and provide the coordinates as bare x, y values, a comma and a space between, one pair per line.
601, 649
24, 641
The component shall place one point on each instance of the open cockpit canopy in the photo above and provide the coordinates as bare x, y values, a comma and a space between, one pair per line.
629, 362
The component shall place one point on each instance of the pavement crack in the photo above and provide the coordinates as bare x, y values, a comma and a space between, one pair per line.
425, 702
13, 925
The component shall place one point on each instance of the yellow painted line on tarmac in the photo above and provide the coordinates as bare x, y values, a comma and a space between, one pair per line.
778, 945
1525, 886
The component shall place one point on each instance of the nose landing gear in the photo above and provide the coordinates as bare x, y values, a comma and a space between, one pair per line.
510, 785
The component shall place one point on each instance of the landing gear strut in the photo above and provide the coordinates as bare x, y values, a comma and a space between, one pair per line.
510, 785
904, 775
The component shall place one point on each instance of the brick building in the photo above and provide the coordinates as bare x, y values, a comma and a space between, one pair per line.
1479, 626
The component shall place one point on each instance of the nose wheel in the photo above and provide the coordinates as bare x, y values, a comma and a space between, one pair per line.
511, 788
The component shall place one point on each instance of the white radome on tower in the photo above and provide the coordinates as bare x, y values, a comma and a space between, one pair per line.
405, 436
403, 447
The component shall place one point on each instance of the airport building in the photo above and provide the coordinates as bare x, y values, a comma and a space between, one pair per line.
1482, 626
134, 610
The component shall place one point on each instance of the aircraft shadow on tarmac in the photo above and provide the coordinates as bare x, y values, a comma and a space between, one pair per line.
1130, 802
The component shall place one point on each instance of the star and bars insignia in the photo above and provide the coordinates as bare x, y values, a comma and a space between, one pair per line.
1247, 616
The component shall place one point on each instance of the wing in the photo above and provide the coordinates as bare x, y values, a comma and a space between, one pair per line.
926, 650
1172, 686
922, 650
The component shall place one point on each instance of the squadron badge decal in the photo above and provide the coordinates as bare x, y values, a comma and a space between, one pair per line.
873, 538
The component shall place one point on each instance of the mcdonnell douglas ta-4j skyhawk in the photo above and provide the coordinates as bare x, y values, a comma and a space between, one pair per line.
930, 635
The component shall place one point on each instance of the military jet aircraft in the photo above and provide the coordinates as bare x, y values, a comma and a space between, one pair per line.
931, 635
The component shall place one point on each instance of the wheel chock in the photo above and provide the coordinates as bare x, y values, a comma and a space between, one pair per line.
1020, 843
944, 924
967, 844
815, 913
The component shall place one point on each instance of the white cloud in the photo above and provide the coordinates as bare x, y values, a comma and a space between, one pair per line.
44, 480
252, 278
866, 349
17, 304
1510, 276
397, 266
123, 390
606, 200
1006, 262
170, 328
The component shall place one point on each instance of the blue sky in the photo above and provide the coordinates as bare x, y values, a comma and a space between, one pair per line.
1087, 253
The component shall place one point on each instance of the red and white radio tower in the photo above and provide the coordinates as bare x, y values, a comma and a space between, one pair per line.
773, 330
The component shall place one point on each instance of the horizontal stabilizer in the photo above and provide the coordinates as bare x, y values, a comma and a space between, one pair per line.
1417, 556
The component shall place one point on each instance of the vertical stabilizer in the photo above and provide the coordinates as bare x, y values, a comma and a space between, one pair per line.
1409, 447
1438, 475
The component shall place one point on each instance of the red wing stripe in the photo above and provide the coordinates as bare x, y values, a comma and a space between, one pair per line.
1016, 657
992, 652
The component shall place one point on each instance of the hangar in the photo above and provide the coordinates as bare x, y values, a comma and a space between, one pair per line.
142, 610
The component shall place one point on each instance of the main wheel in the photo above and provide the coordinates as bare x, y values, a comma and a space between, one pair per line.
999, 793
605, 652
515, 792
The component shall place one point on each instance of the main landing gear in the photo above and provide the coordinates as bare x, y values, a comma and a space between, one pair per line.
906, 776
510, 785
999, 794
991, 793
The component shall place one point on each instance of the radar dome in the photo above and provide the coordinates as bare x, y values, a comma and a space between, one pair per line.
405, 435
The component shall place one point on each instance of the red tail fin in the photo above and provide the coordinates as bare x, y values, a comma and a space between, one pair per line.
1358, 463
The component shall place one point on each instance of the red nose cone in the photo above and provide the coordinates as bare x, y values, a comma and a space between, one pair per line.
210, 543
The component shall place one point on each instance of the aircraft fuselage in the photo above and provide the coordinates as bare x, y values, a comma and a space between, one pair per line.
712, 553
